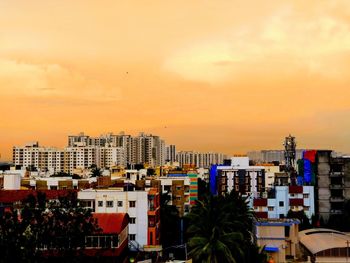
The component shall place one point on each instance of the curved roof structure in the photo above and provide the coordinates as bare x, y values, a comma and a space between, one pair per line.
319, 239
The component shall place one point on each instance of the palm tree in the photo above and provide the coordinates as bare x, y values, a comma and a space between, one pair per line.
220, 230
95, 171
212, 233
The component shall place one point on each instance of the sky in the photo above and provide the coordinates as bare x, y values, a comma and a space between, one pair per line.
224, 76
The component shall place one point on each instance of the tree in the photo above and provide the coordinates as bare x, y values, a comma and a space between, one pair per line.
203, 189
212, 236
151, 171
57, 226
169, 218
220, 231
301, 216
95, 171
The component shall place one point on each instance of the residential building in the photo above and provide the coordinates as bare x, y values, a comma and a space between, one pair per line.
331, 178
268, 156
107, 157
141, 205
239, 176
200, 160
278, 237
281, 199
112, 241
170, 153
182, 188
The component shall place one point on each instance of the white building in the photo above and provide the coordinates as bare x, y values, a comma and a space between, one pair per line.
170, 153
110, 156
135, 203
285, 198
198, 159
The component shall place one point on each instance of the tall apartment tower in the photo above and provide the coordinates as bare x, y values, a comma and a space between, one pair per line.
80, 139
42, 158
199, 159
170, 153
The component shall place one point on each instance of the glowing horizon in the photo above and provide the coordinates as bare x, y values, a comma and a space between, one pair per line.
221, 76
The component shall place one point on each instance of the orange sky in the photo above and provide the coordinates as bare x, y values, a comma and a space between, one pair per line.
226, 76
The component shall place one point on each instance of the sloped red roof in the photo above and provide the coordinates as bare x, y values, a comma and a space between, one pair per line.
111, 223
11, 196
296, 201
295, 189
260, 202
261, 214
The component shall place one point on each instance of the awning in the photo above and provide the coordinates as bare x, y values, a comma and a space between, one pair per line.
271, 249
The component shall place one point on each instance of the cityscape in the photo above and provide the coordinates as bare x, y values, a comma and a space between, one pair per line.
142, 198
174, 131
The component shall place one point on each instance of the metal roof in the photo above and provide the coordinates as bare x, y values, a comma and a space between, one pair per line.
319, 239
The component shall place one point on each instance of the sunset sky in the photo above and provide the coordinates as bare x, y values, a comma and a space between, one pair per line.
226, 76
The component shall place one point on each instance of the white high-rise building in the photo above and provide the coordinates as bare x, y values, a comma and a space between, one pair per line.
199, 159
43, 158
170, 153
110, 156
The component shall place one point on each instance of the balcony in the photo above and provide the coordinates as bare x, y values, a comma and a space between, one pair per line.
337, 199
336, 211
336, 174
336, 186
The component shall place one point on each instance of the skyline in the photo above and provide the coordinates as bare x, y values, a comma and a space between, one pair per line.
166, 144
222, 76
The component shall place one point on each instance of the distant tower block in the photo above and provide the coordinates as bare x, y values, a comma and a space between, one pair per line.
289, 152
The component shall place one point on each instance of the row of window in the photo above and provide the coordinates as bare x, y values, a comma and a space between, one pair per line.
119, 203
272, 208
304, 195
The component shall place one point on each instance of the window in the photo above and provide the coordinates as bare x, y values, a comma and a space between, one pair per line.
305, 195
120, 203
270, 208
281, 203
306, 208
100, 203
132, 203
132, 220
132, 237
109, 204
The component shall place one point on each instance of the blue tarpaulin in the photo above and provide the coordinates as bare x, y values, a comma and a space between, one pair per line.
212, 179
271, 249
300, 180
307, 171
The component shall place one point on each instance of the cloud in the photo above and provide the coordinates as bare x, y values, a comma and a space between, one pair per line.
287, 41
52, 82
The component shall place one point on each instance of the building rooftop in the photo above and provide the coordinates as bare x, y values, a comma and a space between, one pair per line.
318, 239
111, 223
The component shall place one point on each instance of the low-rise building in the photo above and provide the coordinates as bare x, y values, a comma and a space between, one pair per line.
325, 245
281, 199
239, 176
279, 238
142, 206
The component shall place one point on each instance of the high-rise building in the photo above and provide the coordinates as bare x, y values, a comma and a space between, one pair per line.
43, 158
170, 153
198, 159
268, 156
